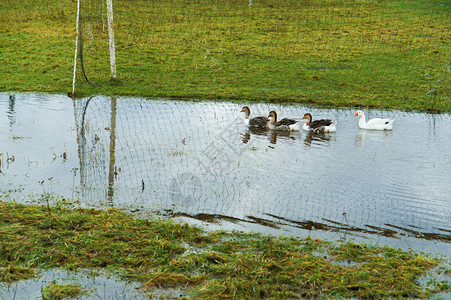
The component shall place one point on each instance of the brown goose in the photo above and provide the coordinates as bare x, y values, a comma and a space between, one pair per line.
283, 125
322, 125
258, 122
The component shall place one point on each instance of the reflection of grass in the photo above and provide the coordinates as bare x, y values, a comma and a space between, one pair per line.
365, 53
217, 265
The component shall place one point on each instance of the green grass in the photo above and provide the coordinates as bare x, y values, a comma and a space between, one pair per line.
367, 53
216, 265
55, 291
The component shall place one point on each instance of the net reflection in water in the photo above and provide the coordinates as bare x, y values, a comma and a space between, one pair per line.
197, 158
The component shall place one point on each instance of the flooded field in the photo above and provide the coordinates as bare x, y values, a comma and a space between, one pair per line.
96, 285
197, 161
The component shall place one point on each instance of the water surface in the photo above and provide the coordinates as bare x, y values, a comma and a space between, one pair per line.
95, 284
196, 160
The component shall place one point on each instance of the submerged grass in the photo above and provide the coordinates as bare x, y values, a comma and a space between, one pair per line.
219, 265
385, 54
55, 291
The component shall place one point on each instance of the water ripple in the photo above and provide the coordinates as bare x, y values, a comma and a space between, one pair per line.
198, 158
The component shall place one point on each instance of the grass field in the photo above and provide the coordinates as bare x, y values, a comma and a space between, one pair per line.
367, 53
208, 265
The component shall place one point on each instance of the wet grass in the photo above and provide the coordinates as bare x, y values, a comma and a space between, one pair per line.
366, 53
55, 291
220, 265
10, 272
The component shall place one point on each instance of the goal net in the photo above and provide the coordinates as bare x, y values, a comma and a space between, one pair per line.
93, 46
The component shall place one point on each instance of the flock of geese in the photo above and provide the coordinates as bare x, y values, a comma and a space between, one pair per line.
318, 126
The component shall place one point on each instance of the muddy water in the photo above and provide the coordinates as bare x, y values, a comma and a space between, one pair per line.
197, 161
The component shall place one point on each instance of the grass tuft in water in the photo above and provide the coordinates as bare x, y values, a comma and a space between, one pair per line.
55, 291
165, 254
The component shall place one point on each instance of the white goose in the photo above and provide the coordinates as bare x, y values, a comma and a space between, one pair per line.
374, 124
257, 122
283, 125
322, 125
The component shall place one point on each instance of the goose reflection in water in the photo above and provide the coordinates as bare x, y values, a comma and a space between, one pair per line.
319, 138
272, 135
372, 135
246, 136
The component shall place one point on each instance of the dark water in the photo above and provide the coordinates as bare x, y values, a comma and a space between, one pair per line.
197, 161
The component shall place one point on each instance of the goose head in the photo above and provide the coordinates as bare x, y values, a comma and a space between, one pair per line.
308, 117
359, 113
246, 111
272, 117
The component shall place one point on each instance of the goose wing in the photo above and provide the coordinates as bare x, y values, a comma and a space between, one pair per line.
320, 123
258, 121
378, 122
286, 122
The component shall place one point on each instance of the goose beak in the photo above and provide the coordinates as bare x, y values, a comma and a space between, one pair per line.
356, 114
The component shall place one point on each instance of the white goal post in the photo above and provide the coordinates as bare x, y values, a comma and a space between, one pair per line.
76, 47
112, 47
109, 5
